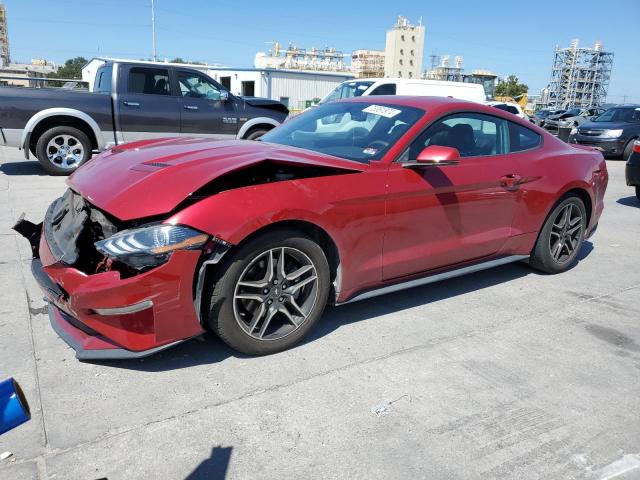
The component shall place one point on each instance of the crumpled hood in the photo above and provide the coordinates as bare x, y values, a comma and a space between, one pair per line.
151, 177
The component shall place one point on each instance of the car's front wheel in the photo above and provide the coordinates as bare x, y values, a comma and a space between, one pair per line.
269, 293
561, 237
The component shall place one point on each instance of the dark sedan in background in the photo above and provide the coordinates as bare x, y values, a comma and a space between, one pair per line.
632, 172
613, 132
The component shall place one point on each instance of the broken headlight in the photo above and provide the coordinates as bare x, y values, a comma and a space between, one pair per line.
150, 246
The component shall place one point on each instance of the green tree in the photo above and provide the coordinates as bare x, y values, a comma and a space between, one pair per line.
181, 60
511, 88
71, 69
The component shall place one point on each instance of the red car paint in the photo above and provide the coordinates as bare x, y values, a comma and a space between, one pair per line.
388, 223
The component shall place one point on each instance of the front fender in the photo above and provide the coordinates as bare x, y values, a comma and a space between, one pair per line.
349, 210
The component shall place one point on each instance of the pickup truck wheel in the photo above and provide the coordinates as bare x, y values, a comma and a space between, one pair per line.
255, 134
61, 150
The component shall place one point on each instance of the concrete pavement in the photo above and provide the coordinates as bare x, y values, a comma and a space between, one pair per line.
502, 374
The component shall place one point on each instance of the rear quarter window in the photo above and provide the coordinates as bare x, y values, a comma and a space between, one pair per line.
103, 79
150, 81
521, 138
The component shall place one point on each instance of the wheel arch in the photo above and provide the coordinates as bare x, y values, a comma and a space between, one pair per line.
258, 122
575, 190
315, 232
312, 230
53, 117
580, 192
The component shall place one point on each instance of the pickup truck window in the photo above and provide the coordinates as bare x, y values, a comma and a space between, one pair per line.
153, 81
197, 86
103, 79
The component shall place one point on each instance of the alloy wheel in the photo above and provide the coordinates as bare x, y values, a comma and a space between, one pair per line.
65, 151
275, 293
566, 233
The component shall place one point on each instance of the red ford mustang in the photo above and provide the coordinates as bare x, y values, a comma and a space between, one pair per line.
156, 241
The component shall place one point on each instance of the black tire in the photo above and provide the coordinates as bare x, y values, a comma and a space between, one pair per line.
638, 193
542, 257
60, 165
224, 317
255, 133
628, 150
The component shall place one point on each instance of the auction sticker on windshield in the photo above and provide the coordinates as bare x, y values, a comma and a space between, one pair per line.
387, 112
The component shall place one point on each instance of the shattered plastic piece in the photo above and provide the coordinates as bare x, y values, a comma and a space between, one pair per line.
380, 410
5, 455
383, 409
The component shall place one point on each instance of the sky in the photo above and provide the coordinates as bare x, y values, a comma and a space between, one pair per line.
506, 37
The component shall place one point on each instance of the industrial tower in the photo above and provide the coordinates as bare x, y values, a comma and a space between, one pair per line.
579, 76
4, 37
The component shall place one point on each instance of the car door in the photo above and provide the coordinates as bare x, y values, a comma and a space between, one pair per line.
145, 106
205, 109
441, 216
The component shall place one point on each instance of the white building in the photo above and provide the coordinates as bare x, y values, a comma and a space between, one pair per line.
404, 49
295, 88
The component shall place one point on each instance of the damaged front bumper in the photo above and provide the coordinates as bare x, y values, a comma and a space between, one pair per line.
106, 316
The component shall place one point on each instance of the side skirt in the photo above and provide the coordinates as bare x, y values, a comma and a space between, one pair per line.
435, 278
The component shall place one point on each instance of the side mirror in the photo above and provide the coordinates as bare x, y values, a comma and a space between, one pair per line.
224, 95
436, 156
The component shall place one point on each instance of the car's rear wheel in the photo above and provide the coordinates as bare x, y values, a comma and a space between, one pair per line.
638, 193
61, 150
561, 237
270, 293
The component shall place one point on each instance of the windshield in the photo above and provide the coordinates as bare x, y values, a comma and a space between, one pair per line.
347, 90
356, 131
628, 114
573, 112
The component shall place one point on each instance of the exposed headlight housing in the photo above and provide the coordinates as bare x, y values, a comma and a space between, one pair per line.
150, 246
612, 133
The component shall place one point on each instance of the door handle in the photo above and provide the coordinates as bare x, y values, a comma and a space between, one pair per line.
131, 104
190, 107
511, 180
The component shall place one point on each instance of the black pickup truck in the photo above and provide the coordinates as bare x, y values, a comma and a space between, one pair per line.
129, 101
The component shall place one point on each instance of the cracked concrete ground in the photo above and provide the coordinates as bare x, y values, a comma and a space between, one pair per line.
502, 374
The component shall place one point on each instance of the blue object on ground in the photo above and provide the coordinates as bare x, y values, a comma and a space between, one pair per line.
14, 409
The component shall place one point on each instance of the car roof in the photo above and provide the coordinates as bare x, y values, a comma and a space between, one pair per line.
443, 104
413, 101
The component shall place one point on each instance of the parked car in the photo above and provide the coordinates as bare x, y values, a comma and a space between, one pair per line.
613, 132
406, 86
632, 170
130, 101
157, 240
571, 118
540, 116
510, 107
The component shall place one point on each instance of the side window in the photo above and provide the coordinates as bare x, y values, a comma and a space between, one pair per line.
152, 81
194, 85
386, 89
521, 138
472, 134
103, 80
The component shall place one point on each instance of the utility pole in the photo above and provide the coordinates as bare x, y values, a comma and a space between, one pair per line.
153, 30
